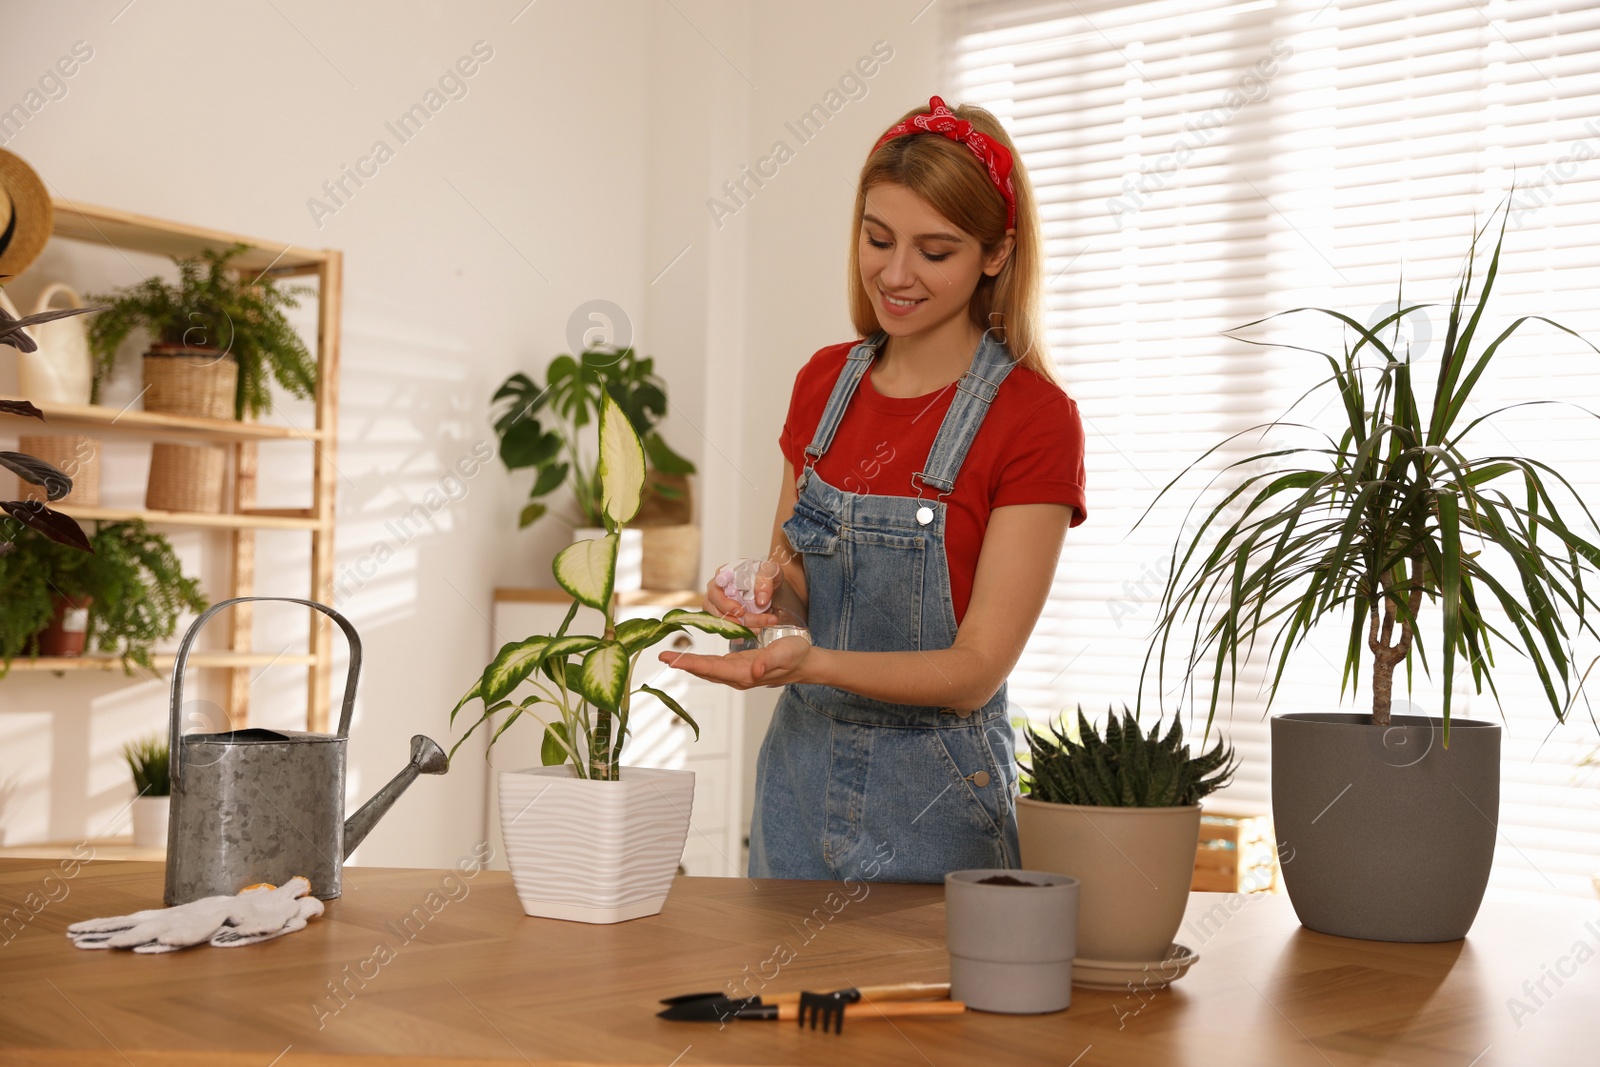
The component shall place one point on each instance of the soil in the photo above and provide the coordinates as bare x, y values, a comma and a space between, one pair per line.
1004, 879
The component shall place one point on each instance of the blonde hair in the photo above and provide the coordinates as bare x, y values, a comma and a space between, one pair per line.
949, 177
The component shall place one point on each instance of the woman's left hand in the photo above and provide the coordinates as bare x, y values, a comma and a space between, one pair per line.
778, 664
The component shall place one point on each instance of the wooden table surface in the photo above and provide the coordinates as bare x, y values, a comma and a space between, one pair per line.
470, 979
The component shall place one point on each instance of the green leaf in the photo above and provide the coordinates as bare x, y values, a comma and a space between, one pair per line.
605, 675
588, 570
621, 464
556, 746
674, 707
707, 622
663, 458
531, 513
549, 479
639, 634
514, 662
471, 694
527, 444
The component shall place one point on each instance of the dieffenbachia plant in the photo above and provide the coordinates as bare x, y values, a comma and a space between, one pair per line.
1392, 511
581, 687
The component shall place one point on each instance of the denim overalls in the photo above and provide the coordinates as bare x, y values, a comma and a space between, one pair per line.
848, 786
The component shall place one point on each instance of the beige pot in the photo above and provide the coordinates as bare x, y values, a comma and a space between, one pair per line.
1135, 866
671, 556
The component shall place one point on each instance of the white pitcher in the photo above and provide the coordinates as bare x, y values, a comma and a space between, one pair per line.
61, 370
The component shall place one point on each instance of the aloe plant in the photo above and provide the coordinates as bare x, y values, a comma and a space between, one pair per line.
1391, 512
586, 681
1125, 769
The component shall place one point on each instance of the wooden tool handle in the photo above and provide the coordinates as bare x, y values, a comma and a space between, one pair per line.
899, 991
895, 1008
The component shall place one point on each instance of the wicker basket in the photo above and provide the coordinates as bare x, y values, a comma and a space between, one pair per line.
199, 383
77, 457
671, 556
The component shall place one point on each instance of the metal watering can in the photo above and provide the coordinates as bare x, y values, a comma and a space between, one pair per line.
260, 805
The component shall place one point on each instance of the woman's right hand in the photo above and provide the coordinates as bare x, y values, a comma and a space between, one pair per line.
767, 582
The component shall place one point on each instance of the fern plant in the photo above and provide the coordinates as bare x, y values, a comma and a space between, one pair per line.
147, 762
132, 575
582, 685
213, 307
1125, 769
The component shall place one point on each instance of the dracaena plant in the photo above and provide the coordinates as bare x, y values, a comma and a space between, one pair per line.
1392, 513
1125, 768
581, 687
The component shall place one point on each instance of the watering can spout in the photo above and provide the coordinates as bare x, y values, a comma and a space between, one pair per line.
426, 758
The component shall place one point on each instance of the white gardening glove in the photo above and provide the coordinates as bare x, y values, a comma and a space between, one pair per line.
268, 913
251, 916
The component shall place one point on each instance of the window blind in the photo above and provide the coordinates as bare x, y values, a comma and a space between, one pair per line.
1201, 165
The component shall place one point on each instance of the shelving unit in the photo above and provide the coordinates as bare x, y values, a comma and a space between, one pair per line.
111, 228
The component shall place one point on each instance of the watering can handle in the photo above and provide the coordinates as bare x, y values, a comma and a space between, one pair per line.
345, 711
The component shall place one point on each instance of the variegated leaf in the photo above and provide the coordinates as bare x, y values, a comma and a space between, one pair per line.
515, 662
588, 570
621, 463
711, 624
605, 675
673, 706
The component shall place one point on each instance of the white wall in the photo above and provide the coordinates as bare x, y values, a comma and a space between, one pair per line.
577, 167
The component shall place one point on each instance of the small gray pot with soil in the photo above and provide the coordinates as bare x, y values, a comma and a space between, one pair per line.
1012, 935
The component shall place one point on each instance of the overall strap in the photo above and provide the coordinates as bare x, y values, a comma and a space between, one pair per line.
974, 391
855, 368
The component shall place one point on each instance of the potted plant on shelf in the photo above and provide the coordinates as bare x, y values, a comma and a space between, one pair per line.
147, 762
1121, 813
606, 838
218, 337
122, 597
1391, 818
662, 548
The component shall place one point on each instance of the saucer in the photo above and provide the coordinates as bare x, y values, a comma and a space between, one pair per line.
1125, 974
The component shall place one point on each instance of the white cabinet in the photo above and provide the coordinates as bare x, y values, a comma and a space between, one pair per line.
657, 738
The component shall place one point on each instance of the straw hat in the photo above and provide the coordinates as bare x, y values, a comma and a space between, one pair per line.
26, 215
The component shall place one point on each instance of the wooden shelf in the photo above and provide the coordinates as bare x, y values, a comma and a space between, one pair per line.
205, 520
163, 661
150, 426
141, 233
113, 229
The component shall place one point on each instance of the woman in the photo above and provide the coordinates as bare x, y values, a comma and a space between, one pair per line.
930, 474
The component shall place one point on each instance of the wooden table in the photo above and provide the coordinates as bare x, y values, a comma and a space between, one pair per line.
428, 966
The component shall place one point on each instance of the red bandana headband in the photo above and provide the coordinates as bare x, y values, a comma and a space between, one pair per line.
994, 156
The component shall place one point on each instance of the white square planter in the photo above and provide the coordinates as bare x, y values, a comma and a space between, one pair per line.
596, 852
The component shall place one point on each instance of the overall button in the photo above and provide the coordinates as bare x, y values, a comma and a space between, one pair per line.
979, 778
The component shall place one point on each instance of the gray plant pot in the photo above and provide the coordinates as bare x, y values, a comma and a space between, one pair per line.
1383, 832
1011, 947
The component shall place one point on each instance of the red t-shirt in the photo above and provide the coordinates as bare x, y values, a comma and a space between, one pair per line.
1029, 450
